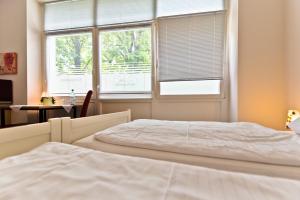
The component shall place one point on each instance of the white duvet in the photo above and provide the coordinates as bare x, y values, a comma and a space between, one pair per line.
238, 141
62, 172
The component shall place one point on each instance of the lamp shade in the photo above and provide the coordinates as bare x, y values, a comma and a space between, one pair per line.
292, 116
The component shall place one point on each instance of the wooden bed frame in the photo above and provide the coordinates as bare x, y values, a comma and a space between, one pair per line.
76, 129
21, 139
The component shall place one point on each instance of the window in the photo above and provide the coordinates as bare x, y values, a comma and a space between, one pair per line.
191, 48
189, 45
211, 87
69, 63
125, 61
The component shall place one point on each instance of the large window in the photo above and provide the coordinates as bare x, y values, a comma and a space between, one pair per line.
183, 40
69, 63
191, 54
125, 61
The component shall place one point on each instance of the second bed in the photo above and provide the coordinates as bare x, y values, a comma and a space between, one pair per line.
242, 147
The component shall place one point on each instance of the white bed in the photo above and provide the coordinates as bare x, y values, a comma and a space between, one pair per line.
20, 139
281, 162
60, 171
216, 163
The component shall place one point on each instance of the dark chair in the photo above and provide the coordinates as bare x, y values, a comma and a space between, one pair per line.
86, 103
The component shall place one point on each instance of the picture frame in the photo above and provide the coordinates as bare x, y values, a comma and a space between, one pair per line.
8, 63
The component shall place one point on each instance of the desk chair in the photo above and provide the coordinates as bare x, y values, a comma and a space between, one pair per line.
86, 103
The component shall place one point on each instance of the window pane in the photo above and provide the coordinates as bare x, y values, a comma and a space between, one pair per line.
68, 14
180, 7
69, 63
190, 87
125, 61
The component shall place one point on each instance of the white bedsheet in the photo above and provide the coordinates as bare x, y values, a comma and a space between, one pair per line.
284, 171
59, 171
237, 141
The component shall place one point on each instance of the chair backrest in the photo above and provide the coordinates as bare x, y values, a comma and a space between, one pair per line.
86, 102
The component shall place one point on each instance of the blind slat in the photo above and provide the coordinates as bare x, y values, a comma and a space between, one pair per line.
191, 48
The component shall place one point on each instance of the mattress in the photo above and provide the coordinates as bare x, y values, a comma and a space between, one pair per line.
291, 172
236, 141
60, 171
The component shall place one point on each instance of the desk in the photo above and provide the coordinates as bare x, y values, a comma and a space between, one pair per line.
42, 111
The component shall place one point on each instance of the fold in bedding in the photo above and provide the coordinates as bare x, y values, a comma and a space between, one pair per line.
238, 141
60, 171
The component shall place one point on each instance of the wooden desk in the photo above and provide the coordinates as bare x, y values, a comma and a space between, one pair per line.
42, 111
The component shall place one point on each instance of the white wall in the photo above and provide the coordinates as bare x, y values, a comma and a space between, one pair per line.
261, 79
34, 20
208, 110
13, 39
292, 53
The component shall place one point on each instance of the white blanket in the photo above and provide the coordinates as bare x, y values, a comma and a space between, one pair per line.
59, 171
238, 141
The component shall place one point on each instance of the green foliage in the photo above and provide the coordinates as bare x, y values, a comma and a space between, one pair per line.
124, 50
74, 53
121, 51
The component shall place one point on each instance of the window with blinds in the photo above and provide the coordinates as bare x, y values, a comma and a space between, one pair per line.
191, 47
190, 43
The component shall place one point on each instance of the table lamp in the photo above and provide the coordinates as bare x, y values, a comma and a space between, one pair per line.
46, 100
293, 120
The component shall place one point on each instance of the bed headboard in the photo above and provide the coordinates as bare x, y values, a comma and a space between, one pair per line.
21, 139
76, 129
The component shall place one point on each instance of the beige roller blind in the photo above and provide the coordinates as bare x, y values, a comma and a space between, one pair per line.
124, 11
68, 14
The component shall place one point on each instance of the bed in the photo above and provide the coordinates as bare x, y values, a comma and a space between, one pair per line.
278, 156
61, 171
20, 139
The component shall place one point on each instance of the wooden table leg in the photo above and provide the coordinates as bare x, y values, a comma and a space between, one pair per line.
2, 118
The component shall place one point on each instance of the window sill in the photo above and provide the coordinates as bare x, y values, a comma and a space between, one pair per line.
125, 97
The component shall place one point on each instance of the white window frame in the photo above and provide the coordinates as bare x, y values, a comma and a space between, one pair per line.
95, 30
124, 27
45, 74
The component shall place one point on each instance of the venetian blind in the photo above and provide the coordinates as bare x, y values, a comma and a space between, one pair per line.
191, 47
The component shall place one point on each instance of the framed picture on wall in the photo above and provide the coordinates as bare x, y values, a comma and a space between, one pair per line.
8, 63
